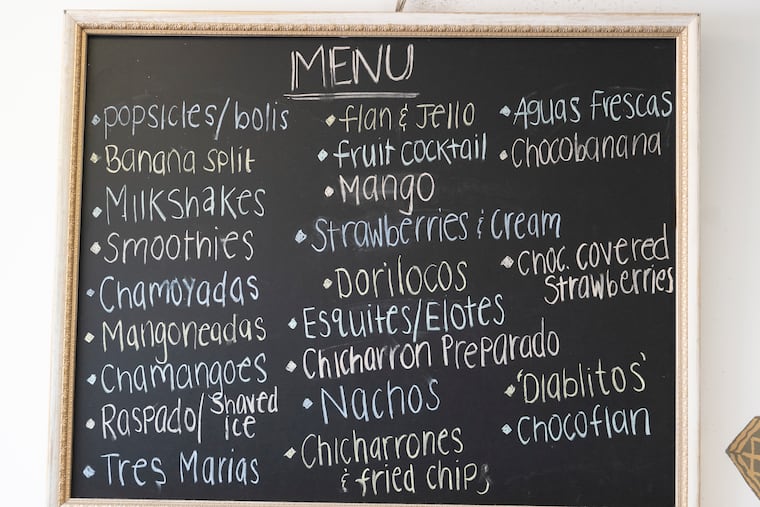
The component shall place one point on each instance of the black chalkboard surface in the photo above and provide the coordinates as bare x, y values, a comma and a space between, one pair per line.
378, 268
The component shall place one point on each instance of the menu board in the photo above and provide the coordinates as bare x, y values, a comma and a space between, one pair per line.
382, 269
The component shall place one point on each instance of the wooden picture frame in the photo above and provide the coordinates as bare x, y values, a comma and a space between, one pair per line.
667, 113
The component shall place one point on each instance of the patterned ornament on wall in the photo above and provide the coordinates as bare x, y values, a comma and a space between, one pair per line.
744, 451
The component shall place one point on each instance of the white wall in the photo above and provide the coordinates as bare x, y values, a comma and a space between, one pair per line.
30, 45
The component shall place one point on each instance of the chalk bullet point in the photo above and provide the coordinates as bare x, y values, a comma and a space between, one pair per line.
329, 191
307, 403
503, 155
95, 120
95, 248
89, 337
505, 111
90, 293
94, 158
96, 211
92, 379
90, 424
506, 429
510, 391
290, 453
293, 323
507, 262
291, 366
322, 155
330, 120
327, 283
300, 236
88, 471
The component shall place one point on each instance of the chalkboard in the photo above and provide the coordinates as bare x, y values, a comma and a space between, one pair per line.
407, 265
